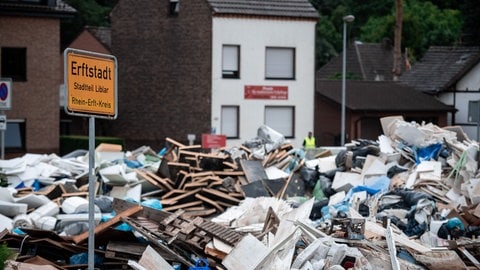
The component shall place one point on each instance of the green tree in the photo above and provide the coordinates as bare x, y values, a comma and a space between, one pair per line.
424, 24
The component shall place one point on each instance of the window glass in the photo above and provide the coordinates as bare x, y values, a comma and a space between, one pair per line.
14, 63
230, 115
280, 63
15, 135
230, 56
281, 119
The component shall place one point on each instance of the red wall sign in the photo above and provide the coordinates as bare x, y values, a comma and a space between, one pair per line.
266, 92
213, 140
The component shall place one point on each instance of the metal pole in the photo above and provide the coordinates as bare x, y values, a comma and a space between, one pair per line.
344, 64
91, 193
3, 138
478, 121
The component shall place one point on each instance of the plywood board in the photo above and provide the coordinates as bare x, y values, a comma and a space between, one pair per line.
254, 170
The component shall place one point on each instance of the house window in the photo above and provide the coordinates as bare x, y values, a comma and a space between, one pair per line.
15, 136
230, 121
14, 63
230, 60
280, 63
281, 119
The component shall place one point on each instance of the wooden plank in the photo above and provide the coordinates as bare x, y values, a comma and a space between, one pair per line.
174, 142
228, 173
470, 257
181, 206
231, 165
179, 197
172, 193
220, 195
148, 178
124, 250
282, 192
163, 181
75, 194
194, 185
210, 202
103, 226
200, 213
189, 147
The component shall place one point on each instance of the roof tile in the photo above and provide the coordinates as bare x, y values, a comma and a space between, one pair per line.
277, 8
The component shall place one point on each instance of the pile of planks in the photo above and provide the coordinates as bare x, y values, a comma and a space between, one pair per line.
203, 184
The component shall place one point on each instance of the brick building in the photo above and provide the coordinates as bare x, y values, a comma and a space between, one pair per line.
189, 67
31, 56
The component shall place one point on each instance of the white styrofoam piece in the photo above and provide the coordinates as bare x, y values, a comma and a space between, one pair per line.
326, 164
275, 173
13, 166
246, 254
22, 221
75, 205
385, 144
344, 181
10, 209
46, 223
336, 198
430, 169
33, 200
5, 223
47, 170
49, 209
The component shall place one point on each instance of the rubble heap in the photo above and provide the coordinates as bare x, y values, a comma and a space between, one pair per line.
409, 200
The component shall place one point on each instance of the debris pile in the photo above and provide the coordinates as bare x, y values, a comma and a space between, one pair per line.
409, 200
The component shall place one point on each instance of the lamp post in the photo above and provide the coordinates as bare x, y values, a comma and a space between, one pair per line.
346, 19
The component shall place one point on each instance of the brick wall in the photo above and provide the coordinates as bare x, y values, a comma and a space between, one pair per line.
37, 100
164, 71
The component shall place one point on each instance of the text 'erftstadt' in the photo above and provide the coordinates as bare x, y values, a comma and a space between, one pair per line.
91, 72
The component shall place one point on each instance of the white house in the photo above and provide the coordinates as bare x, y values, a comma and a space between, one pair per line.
452, 74
263, 69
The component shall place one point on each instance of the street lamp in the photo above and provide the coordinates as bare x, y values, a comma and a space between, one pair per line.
346, 19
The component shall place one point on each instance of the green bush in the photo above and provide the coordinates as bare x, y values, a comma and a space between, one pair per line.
5, 254
70, 143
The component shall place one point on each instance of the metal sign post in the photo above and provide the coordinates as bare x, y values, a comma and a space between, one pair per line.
3, 127
91, 90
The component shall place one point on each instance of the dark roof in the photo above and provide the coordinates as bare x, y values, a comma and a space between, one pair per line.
365, 61
379, 96
56, 8
441, 68
102, 34
276, 8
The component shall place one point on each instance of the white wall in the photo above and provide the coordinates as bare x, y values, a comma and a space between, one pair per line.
471, 80
253, 36
469, 86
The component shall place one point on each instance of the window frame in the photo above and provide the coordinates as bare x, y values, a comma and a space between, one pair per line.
274, 62
18, 127
289, 135
237, 118
16, 59
235, 72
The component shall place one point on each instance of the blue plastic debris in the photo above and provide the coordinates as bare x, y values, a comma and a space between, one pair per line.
82, 258
153, 203
200, 264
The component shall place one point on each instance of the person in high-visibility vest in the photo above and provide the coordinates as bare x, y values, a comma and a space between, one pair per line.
309, 141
